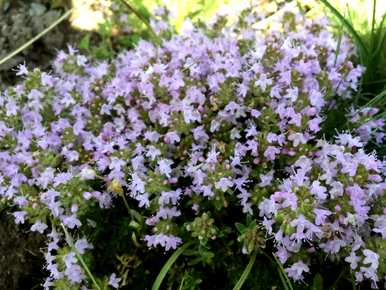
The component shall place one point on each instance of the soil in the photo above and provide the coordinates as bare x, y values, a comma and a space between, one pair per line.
21, 256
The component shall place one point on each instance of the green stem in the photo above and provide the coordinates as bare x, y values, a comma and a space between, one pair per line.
182, 283
352, 280
79, 256
246, 272
373, 27
143, 19
380, 98
288, 282
165, 269
31, 41
283, 275
337, 279
126, 204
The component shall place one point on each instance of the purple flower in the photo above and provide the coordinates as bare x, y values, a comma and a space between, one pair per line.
282, 254
137, 185
271, 152
87, 174
371, 259
46, 177
166, 241
349, 140
292, 94
353, 259
22, 70
333, 246
143, 200
380, 224
164, 166
62, 178
296, 270
71, 155
224, 184
318, 190
263, 82
316, 99
73, 271
171, 138
170, 197
285, 199
267, 207
199, 134
255, 113
20, 217
212, 156
38, 226
304, 228
314, 124
297, 139
81, 245
251, 131
321, 215
266, 179
114, 281
71, 221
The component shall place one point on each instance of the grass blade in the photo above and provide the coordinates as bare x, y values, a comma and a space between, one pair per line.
246, 272
381, 35
37, 37
381, 116
283, 280
347, 25
169, 263
284, 274
372, 41
376, 99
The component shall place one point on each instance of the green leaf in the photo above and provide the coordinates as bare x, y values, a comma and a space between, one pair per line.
129, 41
142, 9
317, 284
283, 275
381, 36
102, 52
85, 42
169, 263
378, 98
372, 34
240, 227
246, 272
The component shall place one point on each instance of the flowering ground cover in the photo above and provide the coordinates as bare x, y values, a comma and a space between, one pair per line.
204, 160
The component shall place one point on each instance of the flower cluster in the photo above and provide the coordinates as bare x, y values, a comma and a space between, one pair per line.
328, 203
214, 119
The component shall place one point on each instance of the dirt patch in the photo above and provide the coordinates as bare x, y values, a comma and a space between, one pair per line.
21, 257
22, 20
